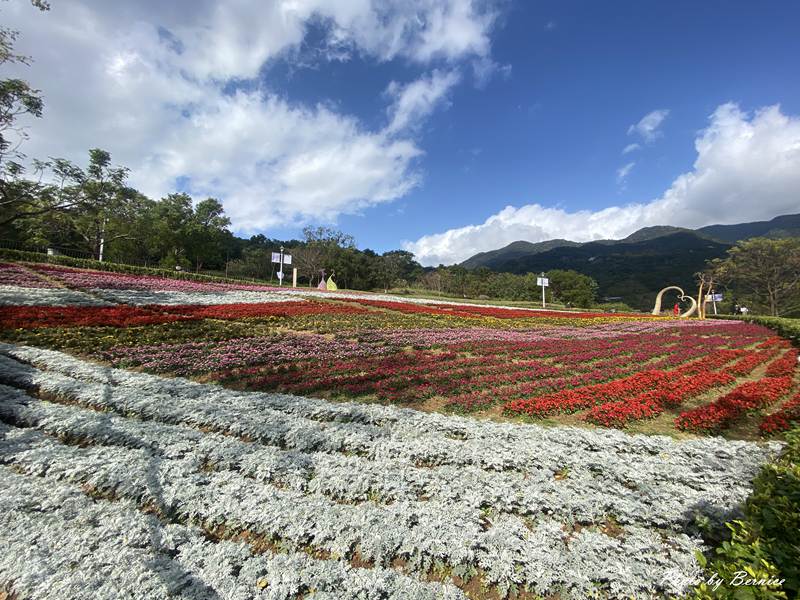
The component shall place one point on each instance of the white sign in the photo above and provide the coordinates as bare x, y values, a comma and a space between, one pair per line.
542, 281
714, 298
276, 258
280, 275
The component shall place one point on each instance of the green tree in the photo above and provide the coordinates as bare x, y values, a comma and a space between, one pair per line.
88, 209
17, 98
571, 287
171, 218
207, 234
765, 271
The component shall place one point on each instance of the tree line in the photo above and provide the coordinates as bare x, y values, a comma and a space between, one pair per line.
92, 211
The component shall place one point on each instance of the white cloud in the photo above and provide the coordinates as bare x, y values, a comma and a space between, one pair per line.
484, 69
648, 126
416, 100
747, 168
151, 81
631, 148
624, 171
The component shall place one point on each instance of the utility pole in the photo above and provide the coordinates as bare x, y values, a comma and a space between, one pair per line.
280, 271
102, 240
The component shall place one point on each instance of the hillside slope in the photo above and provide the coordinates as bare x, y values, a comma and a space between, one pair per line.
514, 250
636, 267
779, 227
634, 271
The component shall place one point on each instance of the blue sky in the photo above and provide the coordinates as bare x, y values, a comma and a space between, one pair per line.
418, 123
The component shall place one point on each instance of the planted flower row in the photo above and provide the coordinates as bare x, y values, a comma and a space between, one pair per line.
19, 276
88, 279
786, 417
29, 317
721, 413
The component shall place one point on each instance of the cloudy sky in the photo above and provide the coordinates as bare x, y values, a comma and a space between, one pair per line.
447, 127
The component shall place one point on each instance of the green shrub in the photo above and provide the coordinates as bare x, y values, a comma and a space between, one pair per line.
765, 544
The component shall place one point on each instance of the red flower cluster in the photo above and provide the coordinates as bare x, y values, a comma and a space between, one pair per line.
653, 402
723, 411
267, 309
785, 365
577, 399
784, 418
29, 317
750, 361
774, 342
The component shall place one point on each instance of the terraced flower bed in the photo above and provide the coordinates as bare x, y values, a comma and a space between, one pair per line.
191, 487
304, 474
611, 370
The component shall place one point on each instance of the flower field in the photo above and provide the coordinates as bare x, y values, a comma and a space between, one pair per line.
163, 438
193, 488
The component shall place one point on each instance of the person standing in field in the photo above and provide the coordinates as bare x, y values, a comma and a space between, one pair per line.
676, 310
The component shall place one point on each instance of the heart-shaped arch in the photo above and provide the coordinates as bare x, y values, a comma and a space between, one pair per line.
688, 313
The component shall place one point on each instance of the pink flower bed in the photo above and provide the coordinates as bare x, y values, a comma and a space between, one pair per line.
86, 279
16, 275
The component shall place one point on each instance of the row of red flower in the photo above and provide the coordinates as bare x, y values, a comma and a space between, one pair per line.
629, 389
784, 365
652, 403
749, 396
786, 417
472, 376
29, 317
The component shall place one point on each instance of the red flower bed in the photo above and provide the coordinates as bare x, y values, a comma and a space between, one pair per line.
785, 365
639, 396
784, 419
653, 402
723, 411
29, 317
577, 399
749, 362
774, 342
267, 309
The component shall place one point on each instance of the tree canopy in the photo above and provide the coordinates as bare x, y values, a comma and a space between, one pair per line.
765, 273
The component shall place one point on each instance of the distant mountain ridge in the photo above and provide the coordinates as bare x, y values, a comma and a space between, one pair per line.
779, 227
782, 226
636, 267
515, 250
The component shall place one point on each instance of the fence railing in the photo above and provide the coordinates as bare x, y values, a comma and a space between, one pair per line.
52, 250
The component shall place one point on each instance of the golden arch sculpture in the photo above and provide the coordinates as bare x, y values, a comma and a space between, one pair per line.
684, 315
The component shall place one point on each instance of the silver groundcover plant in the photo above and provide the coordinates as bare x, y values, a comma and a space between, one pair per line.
120, 482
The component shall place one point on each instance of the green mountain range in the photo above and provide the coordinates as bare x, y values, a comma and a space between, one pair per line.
634, 268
